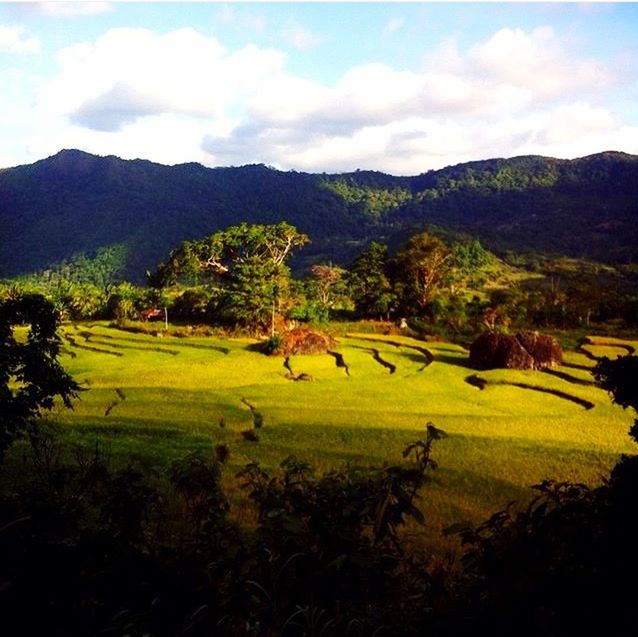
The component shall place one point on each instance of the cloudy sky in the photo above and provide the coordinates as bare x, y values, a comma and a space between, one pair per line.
396, 87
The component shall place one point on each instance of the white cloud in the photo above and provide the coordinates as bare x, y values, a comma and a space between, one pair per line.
13, 39
392, 26
535, 60
300, 37
575, 121
131, 73
181, 96
167, 139
120, 105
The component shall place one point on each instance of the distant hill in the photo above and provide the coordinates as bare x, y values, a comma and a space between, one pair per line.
74, 202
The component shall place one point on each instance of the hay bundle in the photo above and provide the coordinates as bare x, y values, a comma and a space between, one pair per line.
303, 341
490, 351
527, 350
544, 349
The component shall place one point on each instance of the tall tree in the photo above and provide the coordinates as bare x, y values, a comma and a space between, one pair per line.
327, 284
422, 267
369, 284
246, 262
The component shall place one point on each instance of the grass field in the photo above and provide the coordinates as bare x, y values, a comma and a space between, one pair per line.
157, 398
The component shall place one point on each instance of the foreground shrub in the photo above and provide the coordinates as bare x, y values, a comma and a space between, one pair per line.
30, 375
86, 549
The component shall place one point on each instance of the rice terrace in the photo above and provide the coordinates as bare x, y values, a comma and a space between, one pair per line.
159, 397
318, 319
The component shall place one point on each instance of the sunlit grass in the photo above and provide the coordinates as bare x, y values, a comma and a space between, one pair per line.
157, 406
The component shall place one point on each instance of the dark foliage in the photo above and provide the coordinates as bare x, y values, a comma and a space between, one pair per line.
88, 550
30, 375
565, 565
65, 207
620, 378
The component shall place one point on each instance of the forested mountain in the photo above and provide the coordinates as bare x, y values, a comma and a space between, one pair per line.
584, 208
75, 203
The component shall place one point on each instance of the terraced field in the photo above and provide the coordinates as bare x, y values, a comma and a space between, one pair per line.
160, 397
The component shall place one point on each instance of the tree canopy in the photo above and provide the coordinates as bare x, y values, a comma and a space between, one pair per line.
30, 375
368, 280
422, 266
245, 263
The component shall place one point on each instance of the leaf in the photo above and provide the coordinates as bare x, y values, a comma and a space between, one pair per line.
435, 433
457, 528
417, 514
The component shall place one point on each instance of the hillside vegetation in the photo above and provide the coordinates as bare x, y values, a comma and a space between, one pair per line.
76, 205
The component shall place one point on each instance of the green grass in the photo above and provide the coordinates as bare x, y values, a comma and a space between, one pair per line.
164, 397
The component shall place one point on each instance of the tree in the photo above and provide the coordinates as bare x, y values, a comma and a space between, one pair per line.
30, 375
422, 267
368, 281
247, 263
619, 378
123, 300
327, 284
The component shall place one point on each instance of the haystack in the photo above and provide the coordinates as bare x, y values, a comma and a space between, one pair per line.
526, 350
544, 349
304, 341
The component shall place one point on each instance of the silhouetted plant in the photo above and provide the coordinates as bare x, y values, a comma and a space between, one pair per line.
198, 482
620, 378
30, 374
338, 537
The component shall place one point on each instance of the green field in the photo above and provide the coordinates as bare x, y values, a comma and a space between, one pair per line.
157, 398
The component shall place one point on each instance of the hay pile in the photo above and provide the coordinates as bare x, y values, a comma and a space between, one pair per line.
526, 350
303, 341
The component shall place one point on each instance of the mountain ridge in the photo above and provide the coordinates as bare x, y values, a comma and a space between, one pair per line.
76, 202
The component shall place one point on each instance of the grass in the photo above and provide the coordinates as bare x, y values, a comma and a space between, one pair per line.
156, 406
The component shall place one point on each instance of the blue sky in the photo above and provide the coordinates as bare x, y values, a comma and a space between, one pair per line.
399, 87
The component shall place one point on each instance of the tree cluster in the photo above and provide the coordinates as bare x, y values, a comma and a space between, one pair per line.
239, 277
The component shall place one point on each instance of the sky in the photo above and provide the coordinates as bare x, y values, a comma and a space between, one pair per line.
317, 87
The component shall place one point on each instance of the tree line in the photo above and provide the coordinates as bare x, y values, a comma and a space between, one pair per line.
240, 277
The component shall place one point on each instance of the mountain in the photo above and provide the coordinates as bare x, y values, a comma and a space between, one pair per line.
583, 208
76, 203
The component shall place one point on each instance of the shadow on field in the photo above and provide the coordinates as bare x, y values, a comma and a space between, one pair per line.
142, 427
452, 360
568, 377
475, 485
